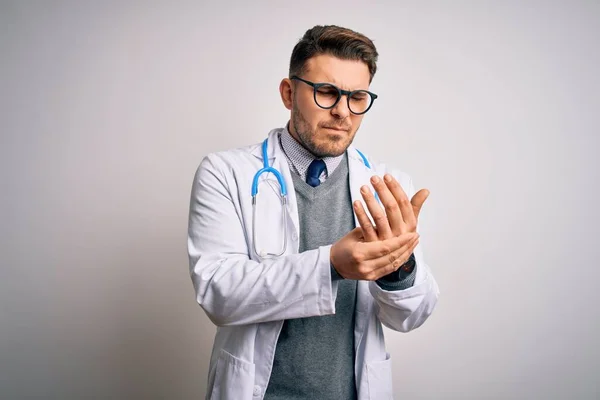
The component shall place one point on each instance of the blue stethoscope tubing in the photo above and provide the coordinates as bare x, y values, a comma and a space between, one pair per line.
283, 191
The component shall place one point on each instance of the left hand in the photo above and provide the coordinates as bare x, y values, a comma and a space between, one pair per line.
398, 215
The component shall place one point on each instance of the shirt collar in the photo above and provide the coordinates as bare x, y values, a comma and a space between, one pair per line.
299, 158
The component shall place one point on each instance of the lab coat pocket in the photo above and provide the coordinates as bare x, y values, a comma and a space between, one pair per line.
234, 378
379, 379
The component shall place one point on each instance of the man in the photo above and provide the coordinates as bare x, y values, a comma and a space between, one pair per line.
299, 289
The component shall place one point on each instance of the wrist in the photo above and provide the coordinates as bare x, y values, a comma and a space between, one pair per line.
334, 274
402, 272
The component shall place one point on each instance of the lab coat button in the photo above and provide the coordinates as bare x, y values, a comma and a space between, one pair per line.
295, 236
256, 391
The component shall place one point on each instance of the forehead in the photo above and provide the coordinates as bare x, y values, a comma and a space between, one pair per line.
346, 74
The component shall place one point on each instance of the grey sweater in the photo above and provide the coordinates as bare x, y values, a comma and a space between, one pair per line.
314, 358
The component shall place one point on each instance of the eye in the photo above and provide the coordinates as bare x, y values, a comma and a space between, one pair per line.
327, 92
360, 96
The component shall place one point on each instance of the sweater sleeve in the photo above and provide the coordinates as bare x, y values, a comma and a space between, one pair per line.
402, 278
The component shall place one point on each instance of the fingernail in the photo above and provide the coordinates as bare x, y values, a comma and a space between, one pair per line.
364, 190
375, 180
387, 178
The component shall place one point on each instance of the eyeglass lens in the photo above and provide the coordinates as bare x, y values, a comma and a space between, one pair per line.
327, 96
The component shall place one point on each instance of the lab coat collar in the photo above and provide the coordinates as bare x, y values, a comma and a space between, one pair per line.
274, 149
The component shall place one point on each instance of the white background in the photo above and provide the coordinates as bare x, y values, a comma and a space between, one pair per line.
107, 109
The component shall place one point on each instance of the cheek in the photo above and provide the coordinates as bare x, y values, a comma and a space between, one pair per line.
311, 116
305, 102
356, 120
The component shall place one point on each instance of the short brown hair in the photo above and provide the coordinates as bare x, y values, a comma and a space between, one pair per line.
336, 41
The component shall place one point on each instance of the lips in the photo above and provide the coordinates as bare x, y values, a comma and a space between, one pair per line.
336, 128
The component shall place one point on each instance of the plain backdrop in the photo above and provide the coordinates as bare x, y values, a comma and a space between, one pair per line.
107, 108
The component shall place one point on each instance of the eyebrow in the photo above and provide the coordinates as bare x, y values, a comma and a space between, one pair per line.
333, 82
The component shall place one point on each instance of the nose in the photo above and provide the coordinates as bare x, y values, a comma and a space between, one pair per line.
341, 109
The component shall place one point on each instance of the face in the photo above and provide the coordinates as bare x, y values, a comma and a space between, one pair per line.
325, 133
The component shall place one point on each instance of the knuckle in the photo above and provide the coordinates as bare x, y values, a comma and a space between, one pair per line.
386, 250
390, 208
363, 269
358, 257
367, 225
379, 217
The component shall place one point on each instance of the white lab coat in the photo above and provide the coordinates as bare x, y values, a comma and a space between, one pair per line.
248, 298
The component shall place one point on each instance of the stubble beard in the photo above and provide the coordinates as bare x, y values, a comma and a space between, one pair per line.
306, 137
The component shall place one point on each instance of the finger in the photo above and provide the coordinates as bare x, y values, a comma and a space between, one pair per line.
417, 201
357, 234
397, 263
390, 205
400, 260
394, 259
369, 251
406, 209
378, 214
369, 232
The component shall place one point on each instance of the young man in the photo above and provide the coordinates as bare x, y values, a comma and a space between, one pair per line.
299, 288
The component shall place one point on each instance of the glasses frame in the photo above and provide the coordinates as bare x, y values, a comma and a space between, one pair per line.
341, 92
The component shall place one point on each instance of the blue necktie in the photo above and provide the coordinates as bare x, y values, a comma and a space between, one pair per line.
315, 169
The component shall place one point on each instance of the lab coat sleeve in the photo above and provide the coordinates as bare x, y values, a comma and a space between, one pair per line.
407, 309
230, 287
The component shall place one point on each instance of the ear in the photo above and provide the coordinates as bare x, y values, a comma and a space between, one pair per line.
285, 89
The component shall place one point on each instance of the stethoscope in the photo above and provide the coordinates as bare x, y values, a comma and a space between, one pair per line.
283, 192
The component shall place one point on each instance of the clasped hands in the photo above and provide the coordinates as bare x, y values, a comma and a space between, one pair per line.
379, 247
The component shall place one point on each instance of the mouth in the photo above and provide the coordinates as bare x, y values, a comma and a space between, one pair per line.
336, 129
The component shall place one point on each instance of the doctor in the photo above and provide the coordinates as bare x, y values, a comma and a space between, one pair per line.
300, 248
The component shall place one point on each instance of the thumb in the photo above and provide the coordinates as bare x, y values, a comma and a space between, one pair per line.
356, 233
417, 201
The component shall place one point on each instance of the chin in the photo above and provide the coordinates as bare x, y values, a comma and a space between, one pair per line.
334, 149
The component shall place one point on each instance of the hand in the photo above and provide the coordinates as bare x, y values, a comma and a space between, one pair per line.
355, 258
398, 215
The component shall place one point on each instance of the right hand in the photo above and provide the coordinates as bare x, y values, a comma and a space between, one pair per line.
354, 258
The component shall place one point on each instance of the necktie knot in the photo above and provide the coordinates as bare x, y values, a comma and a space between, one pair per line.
315, 169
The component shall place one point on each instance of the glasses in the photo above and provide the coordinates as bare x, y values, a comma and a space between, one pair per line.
328, 95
